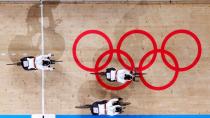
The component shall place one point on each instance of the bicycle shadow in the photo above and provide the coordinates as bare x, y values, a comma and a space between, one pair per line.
91, 91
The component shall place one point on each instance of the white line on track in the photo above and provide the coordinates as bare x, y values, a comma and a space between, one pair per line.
3, 54
42, 45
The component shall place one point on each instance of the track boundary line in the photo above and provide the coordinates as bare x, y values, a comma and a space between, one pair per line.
42, 52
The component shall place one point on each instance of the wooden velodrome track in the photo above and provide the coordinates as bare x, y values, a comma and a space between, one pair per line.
69, 85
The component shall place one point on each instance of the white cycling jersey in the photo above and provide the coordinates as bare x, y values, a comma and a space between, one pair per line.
118, 75
108, 108
39, 62
33, 63
111, 109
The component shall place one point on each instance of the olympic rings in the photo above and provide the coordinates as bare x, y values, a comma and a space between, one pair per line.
197, 42
149, 36
174, 77
141, 68
77, 41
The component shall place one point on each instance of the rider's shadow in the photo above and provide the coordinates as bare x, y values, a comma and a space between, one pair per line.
30, 44
91, 91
